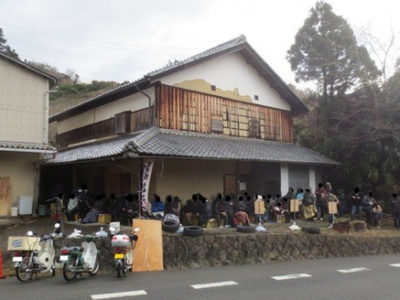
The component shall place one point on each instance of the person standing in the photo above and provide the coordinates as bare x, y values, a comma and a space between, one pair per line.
356, 203
394, 200
320, 194
308, 205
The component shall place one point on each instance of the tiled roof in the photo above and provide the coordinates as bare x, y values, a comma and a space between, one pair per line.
168, 143
95, 151
25, 147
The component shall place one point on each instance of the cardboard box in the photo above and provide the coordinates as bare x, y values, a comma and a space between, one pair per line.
294, 205
104, 218
23, 243
332, 207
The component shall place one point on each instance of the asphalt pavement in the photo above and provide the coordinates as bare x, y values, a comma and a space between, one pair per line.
367, 277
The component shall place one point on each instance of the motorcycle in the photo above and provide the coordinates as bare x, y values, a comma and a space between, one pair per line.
122, 246
37, 254
78, 260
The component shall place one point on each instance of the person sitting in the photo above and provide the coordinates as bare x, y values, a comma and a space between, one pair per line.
94, 209
72, 207
168, 205
130, 208
172, 209
308, 205
250, 206
220, 211
188, 212
206, 211
240, 213
230, 210
157, 206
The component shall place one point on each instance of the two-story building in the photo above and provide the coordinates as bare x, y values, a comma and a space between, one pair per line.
24, 102
220, 121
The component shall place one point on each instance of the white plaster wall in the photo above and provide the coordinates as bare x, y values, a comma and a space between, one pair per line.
24, 102
132, 102
228, 72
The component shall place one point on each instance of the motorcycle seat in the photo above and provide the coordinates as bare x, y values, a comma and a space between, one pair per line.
76, 248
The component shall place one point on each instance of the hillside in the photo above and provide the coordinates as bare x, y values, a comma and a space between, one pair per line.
70, 94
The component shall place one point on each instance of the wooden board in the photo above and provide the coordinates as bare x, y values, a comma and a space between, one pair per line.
259, 207
148, 253
5, 196
294, 205
332, 207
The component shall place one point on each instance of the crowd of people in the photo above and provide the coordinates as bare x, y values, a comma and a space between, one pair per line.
230, 210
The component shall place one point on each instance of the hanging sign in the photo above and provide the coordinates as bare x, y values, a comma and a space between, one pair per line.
144, 195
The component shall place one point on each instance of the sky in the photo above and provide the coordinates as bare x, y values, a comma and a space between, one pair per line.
122, 40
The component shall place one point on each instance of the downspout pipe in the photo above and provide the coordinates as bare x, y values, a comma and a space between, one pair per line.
149, 98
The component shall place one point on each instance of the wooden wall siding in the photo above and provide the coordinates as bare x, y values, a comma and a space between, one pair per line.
141, 119
88, 132
181, 109
127, 122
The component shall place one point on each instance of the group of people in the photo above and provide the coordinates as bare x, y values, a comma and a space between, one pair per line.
87, 207
231, 210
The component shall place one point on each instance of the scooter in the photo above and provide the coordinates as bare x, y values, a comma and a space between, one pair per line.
122, 246
78, 260
37, 254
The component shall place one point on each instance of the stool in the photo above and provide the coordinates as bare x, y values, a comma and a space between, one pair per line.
104, 218
212, 223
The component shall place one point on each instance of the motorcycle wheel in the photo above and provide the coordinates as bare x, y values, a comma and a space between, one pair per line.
22, 274
68, 272
119, 267
95, 268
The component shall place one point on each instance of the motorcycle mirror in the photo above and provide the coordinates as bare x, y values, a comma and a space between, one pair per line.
136, 230
57, 225
29, 233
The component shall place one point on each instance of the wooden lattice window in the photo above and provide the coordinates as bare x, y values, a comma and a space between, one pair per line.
217, 124
254, 128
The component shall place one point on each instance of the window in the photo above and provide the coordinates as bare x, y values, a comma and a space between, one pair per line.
217, 124
256, 97
254, 128
213, 88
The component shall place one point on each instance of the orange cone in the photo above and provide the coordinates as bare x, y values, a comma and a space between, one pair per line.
1, 266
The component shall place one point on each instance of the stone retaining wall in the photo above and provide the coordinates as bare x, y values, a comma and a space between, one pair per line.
216, 250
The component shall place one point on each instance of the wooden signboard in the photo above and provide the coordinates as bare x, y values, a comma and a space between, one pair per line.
148, 252
332, 207
294, 205
5, 196
259, 207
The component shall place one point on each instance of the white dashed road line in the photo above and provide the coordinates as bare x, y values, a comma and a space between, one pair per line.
353, 270
395, 265
213, 284
291, 276
119, 295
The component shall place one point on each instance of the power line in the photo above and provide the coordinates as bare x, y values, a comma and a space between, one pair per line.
105, 43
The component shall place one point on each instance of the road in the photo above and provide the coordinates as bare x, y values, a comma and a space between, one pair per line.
368, 277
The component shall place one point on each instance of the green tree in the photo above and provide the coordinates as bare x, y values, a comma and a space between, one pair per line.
5, 48
326, 51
